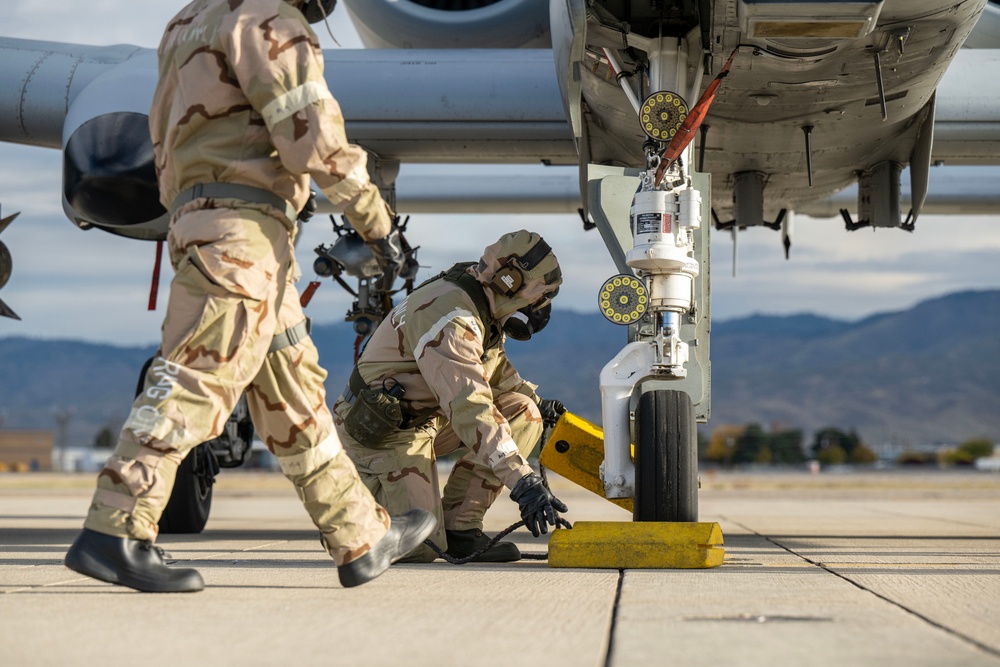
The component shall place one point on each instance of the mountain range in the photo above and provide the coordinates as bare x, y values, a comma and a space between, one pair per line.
930, 374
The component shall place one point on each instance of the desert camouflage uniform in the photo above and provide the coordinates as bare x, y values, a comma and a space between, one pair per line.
242, 100
436, 346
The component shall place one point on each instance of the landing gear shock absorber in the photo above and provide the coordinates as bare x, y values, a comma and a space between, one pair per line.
663, 223
647, 383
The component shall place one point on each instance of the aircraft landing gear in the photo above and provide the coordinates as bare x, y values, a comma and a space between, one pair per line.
651, 222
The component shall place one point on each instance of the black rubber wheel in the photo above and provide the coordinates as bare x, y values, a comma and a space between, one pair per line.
666, 458
191, 499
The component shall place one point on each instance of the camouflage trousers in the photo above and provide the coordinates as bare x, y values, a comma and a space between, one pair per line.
402, 473
232, 292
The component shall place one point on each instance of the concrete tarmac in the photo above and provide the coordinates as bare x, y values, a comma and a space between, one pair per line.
891, 568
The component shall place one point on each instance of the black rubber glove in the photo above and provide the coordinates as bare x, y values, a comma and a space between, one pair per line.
537, 504
307, 212
551, 410
388, 253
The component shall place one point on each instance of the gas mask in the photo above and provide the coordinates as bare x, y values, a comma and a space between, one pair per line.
317, 10
523, 323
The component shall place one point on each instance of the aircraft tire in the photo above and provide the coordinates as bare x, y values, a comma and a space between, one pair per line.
191, 499
666, 458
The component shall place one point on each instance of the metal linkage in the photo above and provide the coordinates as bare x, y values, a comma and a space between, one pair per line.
560, 523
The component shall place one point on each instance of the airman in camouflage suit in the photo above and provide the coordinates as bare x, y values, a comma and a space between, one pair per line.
241, 119
444, 346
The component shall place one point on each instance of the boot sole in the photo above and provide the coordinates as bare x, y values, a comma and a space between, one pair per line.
406, 544
427, 527
83, 563
492, 556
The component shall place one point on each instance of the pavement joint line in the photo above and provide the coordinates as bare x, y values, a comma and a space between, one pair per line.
230, 553
929, 621
614, 619
264, 546
950, 522
26, 589
848, 566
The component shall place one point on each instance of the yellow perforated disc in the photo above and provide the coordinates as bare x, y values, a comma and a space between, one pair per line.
623, 299
662, 114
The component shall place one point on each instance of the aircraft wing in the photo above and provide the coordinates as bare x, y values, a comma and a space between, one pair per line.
813, 103
506, 104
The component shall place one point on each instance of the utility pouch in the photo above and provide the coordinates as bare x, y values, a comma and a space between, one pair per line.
374, 415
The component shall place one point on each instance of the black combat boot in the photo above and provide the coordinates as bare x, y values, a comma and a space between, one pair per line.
464, 543
406, 533
137, 564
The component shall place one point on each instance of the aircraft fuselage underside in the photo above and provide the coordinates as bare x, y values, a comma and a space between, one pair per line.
809, 112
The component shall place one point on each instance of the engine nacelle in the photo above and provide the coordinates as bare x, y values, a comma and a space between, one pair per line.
986, 34
451, 24
109, 180
108, 175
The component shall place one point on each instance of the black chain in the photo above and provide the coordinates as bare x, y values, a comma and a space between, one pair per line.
560, 523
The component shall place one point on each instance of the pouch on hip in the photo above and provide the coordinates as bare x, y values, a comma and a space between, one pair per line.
374, 415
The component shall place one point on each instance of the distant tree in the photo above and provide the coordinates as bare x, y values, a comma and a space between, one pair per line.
863, 454
749, 444
954, 457
786, 447
831, 455
722, 443
966, 453
105, 439
733, 444
702, 444
831, 445
912, 458
834, 437
977, 448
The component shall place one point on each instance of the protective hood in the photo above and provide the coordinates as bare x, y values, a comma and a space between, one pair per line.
518, 270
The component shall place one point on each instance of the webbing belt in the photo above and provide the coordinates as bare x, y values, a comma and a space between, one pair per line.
291, 336
247, 193
355, 384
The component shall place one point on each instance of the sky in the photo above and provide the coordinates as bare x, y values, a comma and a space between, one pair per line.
93, 286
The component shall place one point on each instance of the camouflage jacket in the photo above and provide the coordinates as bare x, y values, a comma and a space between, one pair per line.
433, 344
241, 98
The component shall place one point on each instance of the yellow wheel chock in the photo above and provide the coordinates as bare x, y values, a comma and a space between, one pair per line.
575, 451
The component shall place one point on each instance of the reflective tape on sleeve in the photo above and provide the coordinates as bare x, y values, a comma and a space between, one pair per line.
119, 501
463, 316
311, 459
504, 449
293, 101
